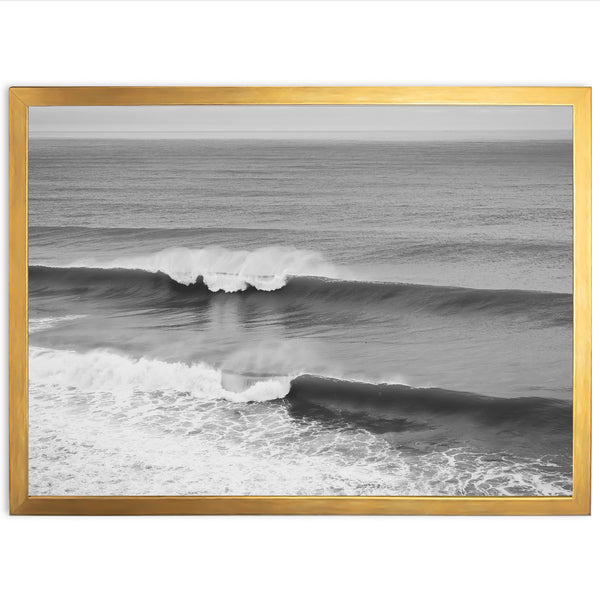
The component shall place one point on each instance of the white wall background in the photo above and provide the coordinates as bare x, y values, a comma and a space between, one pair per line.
319, 43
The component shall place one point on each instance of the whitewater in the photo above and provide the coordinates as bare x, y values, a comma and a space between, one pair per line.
102, 371
226, 270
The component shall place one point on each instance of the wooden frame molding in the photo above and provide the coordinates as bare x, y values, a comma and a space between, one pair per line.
21, 98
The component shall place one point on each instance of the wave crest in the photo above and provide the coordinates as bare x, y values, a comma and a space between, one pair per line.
325, 296
103, 371
226, 270
325, 397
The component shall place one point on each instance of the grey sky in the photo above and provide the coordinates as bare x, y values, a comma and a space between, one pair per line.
342, 121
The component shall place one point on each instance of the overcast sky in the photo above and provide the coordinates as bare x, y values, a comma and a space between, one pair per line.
280, 122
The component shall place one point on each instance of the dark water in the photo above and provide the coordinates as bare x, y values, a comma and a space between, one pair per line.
300, 318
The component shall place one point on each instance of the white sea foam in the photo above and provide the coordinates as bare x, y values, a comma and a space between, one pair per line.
96, 417
84, 443
226, 270
102, 371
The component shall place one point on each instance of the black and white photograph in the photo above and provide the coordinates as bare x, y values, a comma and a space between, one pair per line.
300, 300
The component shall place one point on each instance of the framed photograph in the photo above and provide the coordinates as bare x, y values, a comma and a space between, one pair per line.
300, 300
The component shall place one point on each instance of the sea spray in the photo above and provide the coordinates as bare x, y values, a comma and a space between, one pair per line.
226, 270
268, 361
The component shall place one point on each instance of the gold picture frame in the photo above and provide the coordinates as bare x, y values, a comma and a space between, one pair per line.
21, 98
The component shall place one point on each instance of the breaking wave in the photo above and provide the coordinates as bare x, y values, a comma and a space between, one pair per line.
226, 270
155, 288
207, 411
103, 371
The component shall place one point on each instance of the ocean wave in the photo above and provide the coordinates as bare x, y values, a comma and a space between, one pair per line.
159, 289
225, 270
104, 371
403, 405
95, 408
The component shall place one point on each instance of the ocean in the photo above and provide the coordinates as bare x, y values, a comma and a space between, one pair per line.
300, 317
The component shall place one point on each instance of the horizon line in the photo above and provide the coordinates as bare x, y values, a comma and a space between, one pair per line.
392, 135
